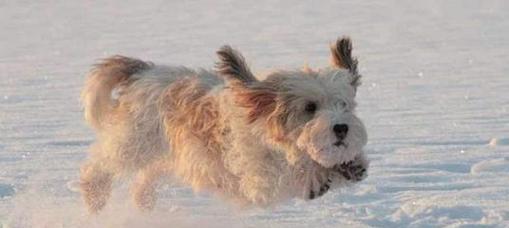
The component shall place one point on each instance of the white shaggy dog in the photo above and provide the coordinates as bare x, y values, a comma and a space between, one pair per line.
257, 142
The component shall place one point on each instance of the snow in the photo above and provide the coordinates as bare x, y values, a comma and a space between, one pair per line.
434, 100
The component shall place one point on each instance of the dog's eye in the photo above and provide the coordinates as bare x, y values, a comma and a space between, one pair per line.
342, 104
311, 107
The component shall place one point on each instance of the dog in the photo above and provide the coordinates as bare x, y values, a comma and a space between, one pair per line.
255, 142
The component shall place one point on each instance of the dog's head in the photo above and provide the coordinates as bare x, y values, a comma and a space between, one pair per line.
303, 112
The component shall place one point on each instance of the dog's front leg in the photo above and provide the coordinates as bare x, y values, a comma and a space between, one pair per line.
340, 175
355, 170
259, 190
323, 187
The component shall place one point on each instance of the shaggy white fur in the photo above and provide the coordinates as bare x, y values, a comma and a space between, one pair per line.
294, 134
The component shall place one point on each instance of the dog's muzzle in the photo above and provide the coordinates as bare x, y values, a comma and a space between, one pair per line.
340, 130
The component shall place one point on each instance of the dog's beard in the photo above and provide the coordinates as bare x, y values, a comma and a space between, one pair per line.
318, 140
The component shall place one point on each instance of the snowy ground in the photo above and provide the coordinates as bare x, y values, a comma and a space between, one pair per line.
434, 96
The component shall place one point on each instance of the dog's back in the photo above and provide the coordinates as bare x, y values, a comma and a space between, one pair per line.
130, 100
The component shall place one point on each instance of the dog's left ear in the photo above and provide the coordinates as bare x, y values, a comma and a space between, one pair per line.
341, 57
257, 97
233, 67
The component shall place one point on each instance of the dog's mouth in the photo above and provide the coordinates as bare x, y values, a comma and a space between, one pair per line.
343, 165
335, 153
341, 143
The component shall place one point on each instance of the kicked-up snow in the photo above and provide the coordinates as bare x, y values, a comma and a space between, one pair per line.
434, 100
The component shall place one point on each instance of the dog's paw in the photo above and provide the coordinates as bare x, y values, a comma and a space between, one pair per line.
324, 188
353, 170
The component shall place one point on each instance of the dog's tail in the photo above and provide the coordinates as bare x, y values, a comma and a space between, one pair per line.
97, 96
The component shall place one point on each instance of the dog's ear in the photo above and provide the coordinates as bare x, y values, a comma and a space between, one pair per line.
341, 57
233, 67
257, 98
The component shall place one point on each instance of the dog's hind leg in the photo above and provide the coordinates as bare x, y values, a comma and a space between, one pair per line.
144, 187
95, 184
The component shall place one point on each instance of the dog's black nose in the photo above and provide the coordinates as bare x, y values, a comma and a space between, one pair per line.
340, 130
